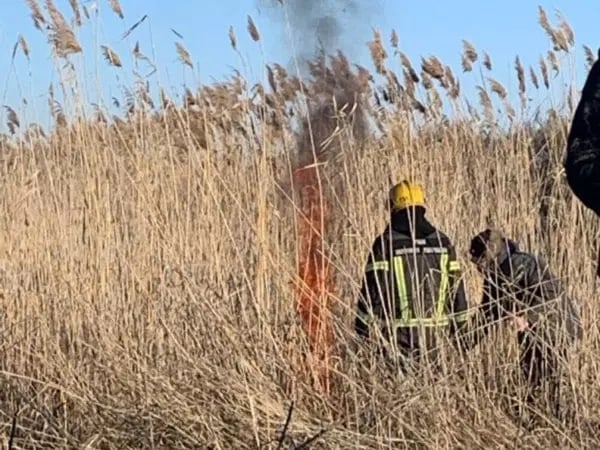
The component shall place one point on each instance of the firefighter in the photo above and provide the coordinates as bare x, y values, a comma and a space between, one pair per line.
582, 163
520, 287
412, 287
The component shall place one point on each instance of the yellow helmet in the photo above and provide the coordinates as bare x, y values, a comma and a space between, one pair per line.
405, 194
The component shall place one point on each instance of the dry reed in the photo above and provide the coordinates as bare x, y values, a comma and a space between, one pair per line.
148, 260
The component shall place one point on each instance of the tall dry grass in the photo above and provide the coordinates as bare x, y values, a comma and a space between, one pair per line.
148, 262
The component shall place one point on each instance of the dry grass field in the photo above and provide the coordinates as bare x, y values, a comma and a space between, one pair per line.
148, 261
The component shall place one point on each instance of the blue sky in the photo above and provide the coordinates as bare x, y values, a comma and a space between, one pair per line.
502, 28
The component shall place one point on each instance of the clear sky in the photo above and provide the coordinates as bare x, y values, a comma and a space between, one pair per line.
502, 28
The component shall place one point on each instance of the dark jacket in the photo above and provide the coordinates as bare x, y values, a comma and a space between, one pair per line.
523, 284
412, 282
582, 162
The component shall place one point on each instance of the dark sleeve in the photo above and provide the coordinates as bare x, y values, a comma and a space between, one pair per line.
487, 314
587, 113
458, 298
536, 284
374, 288
541, 289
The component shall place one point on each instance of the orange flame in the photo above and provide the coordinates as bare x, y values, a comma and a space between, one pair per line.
315, 277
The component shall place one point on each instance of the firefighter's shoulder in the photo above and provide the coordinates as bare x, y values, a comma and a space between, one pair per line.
440, 238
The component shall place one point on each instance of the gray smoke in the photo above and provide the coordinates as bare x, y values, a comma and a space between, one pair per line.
323, 25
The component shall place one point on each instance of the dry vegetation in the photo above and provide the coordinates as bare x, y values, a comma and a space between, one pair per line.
148, 260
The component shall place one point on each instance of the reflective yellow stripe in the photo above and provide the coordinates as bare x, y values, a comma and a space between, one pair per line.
378, 265
441, 303
454, 266
405, 312
432, 322
443, 321
461, 316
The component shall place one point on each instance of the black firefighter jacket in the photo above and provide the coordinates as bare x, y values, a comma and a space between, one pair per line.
412, 287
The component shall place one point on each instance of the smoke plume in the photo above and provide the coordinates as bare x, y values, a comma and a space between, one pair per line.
323, 25
328, 39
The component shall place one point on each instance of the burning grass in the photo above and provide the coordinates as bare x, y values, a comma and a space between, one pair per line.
152, 275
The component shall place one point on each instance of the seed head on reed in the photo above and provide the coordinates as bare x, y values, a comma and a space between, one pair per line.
487, 61
426, 80
544, 23
453, 85
409, 68
116, 7
281, 72
418, 106
567, 31
497, 88
232, 38
61, 36
65, 42
12, 116
466, 65
24, 46
433, 67
544, 70
394, 39
76, 12
252, 30
520, 75
534, 78
12, 121
469, 56
184, 55
486, 102
378, 53
469, 52
590, 56
111, 56
561, 37
36, 14
58, 20
561, 41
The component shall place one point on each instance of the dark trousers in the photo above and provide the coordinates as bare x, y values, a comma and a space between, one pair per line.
543, 365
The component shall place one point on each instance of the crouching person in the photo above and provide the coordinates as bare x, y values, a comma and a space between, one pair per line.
519, 286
